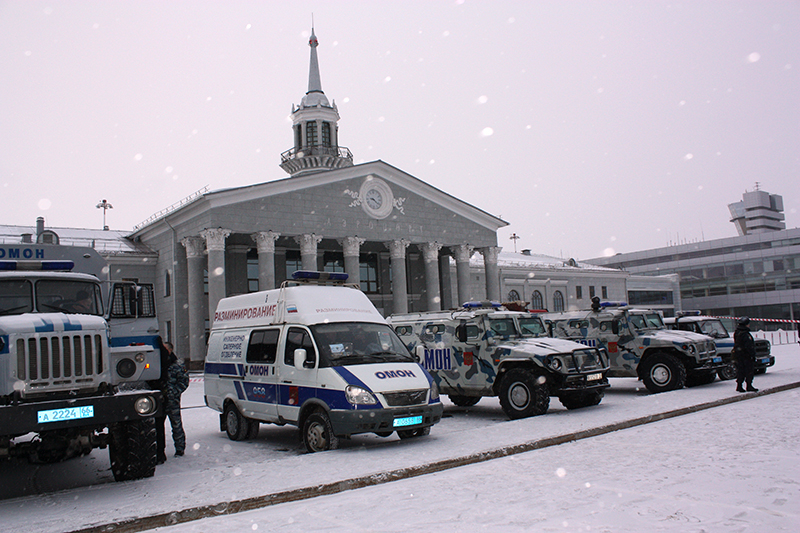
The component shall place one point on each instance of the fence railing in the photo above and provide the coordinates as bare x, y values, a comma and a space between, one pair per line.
776, 331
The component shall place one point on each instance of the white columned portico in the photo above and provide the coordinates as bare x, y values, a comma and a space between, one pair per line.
351, 247
397, 253
215, 244
447, 284
236, 269
463, 252
492, 272
308, 250
195, 260
265, 243
430, 255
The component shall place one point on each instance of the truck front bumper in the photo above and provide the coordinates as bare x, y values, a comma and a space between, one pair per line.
92, 411
384, 420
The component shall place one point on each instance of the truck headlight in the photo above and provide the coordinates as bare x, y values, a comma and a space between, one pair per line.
144, 405
555, 364
358, 396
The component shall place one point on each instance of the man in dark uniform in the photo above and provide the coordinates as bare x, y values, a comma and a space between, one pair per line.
744, 353
161, 384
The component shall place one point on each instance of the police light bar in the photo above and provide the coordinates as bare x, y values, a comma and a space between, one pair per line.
320, 276
45, 265
687, 313
481, 305
613, 304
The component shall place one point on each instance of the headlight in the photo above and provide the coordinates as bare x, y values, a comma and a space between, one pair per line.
434, 391
144, 405
555, 364
139, 357
359, 396
126, 368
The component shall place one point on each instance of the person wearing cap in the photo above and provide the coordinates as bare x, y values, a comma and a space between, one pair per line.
744, 353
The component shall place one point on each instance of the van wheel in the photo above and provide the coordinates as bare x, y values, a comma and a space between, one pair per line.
411, 433
318, 433
463, 401
236, 426
663, 372
521, 394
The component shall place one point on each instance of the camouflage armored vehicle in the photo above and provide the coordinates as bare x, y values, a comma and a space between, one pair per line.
639, 345
489, 351
714, 328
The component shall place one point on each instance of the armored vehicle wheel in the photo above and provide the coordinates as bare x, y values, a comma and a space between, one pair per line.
521, 394
663, 372
132, 449
577, 400
236, 425
728, 372
692, 380
318, 433
252, 431
411, 433
463, 401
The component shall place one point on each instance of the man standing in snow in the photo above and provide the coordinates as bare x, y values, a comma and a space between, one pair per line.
744, 353
177, 382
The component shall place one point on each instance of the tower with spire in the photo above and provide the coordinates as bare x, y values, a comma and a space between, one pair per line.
315, 124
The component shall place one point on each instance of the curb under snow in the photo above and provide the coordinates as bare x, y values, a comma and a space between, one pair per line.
258, 502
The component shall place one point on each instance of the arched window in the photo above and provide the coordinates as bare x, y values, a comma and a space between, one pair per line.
558, 301
536, 300
513, 296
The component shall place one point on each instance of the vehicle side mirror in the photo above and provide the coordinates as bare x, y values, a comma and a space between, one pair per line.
302, 359
461, 332
419, 352
615, 327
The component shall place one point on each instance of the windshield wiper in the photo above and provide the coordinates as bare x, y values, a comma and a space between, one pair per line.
12, 309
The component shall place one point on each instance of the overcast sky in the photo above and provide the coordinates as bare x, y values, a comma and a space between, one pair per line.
591, 127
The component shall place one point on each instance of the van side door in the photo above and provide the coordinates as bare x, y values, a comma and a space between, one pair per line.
296, 385
260, 386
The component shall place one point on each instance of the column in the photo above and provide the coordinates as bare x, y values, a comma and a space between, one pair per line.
430, 255
308, 250
195, 259
215, 244
492, 272
352, 251
447, 285
397, 252
236, 269
265, 243
463, 252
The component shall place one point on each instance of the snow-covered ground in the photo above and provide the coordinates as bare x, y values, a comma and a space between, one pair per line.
735, 467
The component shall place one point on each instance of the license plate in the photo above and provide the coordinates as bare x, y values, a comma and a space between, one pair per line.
407, 421
716, 359
764, 360
594, 377
67, 413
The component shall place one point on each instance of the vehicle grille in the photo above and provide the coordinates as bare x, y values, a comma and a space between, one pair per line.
762, 348
59, 361
406, 398
706, 349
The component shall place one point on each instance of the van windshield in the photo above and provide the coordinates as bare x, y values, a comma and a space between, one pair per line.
358, 343
532, 327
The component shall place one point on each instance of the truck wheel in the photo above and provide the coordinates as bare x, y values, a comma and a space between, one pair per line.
132, 449
727, 372
663, 372
463, 401
581, 399
318, 433
693, 380
521, 394
411, 433
236, 426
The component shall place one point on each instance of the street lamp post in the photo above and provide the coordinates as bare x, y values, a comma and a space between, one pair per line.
105, 206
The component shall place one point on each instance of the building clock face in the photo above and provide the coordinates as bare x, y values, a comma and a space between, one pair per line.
376, 197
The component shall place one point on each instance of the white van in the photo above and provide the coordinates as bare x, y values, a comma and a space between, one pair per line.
316, 354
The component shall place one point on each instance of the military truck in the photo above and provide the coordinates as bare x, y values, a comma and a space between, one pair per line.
639, 345
714, 328
484, 349
65, 389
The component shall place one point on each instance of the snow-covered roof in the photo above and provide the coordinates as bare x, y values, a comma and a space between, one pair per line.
106, 242
538, 262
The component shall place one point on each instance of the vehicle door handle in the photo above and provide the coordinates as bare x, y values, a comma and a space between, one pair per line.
286, 381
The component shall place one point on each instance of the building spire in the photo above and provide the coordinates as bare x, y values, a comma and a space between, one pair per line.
314, 82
